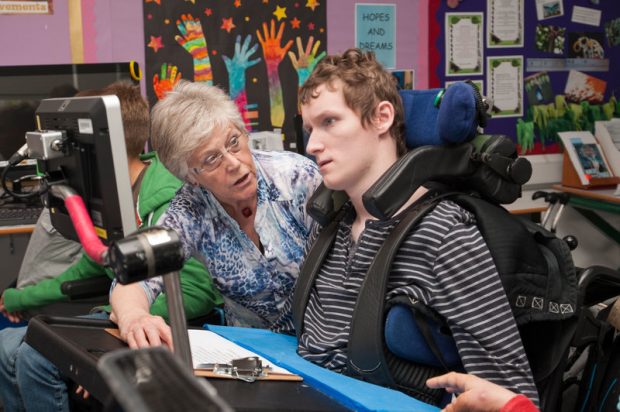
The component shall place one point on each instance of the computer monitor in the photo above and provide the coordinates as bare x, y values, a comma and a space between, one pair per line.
80, 143
23, 87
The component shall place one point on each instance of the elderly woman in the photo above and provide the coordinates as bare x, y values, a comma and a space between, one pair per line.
242, 212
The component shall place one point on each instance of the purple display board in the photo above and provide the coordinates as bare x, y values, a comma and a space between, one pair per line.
610, 11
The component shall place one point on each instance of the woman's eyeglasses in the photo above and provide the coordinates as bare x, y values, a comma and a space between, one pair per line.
214, 159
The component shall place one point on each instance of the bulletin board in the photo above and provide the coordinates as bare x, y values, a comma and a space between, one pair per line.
556, 35
260, 52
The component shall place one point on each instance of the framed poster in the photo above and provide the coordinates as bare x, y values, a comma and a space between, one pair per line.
504, 23
464, 44
586, 156
505, 85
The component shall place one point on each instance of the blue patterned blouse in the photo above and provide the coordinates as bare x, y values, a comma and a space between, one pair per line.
257, 287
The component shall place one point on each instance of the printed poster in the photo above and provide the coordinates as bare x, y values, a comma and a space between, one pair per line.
259, 52
464, 44
375, 30
538, 89
26, 7
505, 85
550, 39
505, 23
581, 87
547, 9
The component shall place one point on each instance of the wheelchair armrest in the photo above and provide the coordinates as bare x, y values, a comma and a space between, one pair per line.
86, 288
597, 284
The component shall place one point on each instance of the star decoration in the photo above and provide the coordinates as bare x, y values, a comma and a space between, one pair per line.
227, 24
280, 12
237, 3
154, 1
254, 80
246, 18
312, 4
166, 21
191, 1
322, 30
208, 11
295, 23
155, 43
310, 26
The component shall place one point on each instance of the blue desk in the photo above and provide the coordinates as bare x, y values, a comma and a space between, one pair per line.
353, 393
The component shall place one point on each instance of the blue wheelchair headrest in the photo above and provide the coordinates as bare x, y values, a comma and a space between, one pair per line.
434, 117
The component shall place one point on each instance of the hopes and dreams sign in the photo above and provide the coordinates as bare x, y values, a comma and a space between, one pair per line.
375, 30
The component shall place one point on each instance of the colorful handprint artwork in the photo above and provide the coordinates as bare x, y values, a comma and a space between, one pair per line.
165, 81
241, 46
192, 39
274, 54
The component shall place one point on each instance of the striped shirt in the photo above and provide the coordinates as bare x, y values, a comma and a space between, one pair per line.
444, 263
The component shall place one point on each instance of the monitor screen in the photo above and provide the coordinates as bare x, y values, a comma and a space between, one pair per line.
91, 159
23, 87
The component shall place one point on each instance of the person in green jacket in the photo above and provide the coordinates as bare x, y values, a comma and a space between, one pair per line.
153, 187
157, 188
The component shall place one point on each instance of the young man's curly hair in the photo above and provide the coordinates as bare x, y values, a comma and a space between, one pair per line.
365, 84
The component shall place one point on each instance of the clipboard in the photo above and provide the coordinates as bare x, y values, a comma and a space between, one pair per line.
268, 372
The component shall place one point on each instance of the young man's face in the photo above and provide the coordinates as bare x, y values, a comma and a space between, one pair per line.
343, 148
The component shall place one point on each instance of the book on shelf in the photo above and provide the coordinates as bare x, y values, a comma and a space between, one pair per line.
585, 163
608, 135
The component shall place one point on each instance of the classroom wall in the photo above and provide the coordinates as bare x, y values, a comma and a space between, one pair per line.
113, 31
507, 125
411, 32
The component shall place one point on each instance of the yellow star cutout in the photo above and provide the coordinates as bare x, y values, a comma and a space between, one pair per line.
312, 4
280, 12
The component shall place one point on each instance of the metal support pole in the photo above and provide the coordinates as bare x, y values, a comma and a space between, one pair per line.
178, 323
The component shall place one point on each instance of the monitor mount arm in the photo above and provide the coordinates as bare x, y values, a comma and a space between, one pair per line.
149, 252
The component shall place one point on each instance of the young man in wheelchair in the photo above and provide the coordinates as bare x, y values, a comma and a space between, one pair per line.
353, 112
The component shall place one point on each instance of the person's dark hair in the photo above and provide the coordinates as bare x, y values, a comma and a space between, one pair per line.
135, 114
365, 84
63, 90
15, 121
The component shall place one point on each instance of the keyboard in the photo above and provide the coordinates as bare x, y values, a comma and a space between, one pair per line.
16, 215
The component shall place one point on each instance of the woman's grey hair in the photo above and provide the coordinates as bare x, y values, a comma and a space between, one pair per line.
185, 118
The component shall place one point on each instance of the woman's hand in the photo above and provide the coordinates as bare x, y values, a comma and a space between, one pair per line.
140, 329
